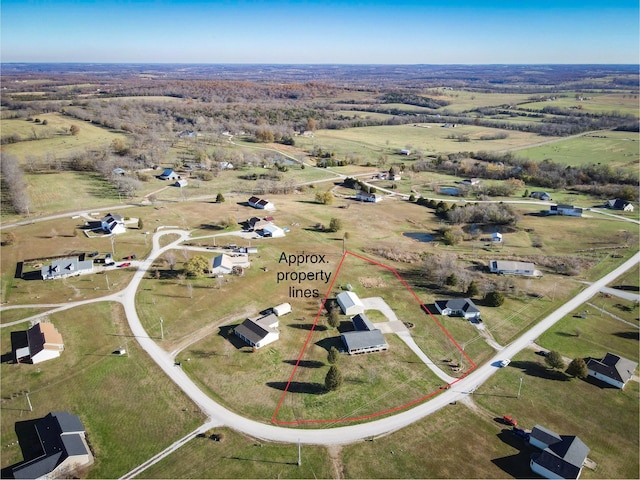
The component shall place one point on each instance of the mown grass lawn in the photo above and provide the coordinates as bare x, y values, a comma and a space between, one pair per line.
129, 408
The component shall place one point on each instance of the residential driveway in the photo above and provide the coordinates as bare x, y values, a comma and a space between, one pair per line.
394, 325
616, 292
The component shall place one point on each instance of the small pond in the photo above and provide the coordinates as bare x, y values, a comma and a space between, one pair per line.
419, 236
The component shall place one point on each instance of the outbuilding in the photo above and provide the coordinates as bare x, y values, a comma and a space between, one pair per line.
350, 303
282, 309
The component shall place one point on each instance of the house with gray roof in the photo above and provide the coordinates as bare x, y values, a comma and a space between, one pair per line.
260, 331
365, 338
66, 267
612, 369
63, 448
458, 307
562, 456
619, 204
350, 303
113, 223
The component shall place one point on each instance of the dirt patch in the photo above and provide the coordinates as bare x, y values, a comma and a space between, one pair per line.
372, 282
335, 455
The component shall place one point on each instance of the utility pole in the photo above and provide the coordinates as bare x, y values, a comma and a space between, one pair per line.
106, 277
519, 388
161, 329
299, 454
29, 402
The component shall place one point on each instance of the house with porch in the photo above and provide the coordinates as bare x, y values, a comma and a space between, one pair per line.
66, 267
363, 196
365, 338
458, 307
619, 204
113, 223
260, 331
612, 369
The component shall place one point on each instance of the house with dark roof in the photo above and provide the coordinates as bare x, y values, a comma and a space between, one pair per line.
619, 204
540, 196
261, 203
44, 342
66, 267
63, 448
562, 456
365, 338
458, 307
113, 223
612, 369
259, 332
566, 210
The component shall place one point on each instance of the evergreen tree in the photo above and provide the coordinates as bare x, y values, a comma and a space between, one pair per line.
333, 380
494, 299
333, 356
578, 368
472, 289
219, 198
334, 317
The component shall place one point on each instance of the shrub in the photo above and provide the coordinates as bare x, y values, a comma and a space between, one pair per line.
494, 299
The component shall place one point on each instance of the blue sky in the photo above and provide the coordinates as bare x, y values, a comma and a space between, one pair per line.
313, 31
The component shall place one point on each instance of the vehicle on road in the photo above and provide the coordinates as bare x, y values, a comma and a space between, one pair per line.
124, 265
505, 362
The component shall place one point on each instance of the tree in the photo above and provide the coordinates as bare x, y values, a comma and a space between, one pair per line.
412, 198
197, 266
554, 360
333, 356
140, 224
334, 317
578, 368
335, 224
219, 198
472, 289
325, 198
74, 130
452, 280
494, 299
333, 380
311, 124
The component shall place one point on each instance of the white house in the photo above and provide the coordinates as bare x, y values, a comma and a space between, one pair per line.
260, 331
612, 369
496, 237
567, 210
562, 456
225, 165
63, 448
44, 342
508, 267
462, 307
261, 203
365, 338
282, 309
180, 183
619, 204
221, 265
540, 196
272, 231
350, 303
66, 267
368, 197
113, 223
168, 174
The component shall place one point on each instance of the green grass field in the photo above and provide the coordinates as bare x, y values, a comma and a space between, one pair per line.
616, 149
624, 103
105, 390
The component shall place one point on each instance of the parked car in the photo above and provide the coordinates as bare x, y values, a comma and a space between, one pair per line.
93, 254
509, 420
124, 265
130, 257
542, 353
505, 362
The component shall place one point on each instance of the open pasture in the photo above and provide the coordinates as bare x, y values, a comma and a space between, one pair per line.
623, 103
614, 149
54, 138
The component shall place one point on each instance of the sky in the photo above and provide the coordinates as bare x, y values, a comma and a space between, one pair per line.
321, 32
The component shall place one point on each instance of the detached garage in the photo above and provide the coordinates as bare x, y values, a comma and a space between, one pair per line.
282, 309
350, 303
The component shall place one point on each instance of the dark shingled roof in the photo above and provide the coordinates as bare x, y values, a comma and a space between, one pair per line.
615, 367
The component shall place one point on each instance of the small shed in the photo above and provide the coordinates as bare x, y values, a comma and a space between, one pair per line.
282, 309
180, 183
496, 237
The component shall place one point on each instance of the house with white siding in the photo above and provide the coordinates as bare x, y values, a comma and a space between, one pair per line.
350, 303
509, 267
259, 332
612, 369
562, 456
44, 343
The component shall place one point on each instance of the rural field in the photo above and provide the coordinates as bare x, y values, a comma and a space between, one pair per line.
428, 239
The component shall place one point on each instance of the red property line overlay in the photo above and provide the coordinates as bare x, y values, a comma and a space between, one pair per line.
382, 412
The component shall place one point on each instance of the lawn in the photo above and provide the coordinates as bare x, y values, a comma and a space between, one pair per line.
239, 456
105, 390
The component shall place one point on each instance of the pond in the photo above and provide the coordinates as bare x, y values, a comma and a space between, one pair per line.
419, 236
450, 191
